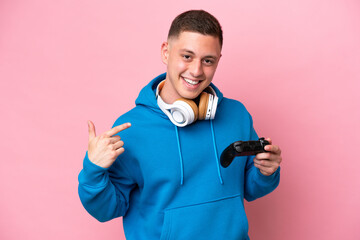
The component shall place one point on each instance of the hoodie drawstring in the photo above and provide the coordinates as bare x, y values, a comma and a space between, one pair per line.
181, 158
215, 151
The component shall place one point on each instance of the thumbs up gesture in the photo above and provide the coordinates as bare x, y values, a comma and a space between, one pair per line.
105, 148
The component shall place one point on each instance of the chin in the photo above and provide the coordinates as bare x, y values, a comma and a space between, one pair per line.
190, 95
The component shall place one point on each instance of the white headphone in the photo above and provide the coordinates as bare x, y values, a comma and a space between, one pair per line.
185, 111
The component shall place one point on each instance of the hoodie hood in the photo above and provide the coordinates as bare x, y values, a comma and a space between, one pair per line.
147, 96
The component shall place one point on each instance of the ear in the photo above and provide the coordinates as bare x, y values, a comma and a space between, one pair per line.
219, 57
165, 52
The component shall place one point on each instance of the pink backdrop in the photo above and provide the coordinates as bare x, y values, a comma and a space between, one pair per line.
294, 64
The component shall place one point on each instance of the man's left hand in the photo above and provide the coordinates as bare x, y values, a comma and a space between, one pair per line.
268, 162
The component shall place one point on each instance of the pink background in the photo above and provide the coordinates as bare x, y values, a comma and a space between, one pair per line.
294, 64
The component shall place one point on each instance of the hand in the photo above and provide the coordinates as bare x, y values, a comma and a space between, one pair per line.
104, 149
268, 162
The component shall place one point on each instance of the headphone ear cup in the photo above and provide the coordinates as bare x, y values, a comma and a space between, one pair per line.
193, 106
203, 105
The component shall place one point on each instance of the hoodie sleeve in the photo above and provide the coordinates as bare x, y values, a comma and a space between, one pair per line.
104, 193
256, 184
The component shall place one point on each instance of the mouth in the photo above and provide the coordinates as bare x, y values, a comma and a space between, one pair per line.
191, 83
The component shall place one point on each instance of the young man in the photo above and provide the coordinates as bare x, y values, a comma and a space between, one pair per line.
168, 184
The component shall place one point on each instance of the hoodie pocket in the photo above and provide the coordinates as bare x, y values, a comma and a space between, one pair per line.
219, 219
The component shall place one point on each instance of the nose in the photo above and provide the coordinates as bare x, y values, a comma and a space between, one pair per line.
196, 68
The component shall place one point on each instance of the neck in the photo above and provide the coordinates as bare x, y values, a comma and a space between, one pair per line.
168, 94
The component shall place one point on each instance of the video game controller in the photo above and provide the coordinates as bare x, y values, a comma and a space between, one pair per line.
242, 148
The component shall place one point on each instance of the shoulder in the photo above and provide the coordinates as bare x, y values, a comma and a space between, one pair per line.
233, 106
135, 115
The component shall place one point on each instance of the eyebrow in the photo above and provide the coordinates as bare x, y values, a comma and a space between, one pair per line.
191, 52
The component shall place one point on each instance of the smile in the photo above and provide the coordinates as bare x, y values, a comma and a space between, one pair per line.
191, 82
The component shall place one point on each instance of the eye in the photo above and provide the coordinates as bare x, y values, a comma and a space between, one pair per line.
208, 61
186, 57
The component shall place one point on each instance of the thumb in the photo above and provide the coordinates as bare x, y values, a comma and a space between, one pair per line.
91, 128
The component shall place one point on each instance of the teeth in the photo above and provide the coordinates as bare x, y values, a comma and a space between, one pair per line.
191, 81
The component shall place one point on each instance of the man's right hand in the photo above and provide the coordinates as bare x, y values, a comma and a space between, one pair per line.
104, 149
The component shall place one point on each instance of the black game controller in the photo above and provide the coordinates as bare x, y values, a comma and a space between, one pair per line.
241, 148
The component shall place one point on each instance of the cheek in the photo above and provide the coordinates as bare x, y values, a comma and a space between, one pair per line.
180, 66
177, 64
210, 72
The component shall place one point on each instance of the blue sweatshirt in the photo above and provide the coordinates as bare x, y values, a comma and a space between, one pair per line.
168, 184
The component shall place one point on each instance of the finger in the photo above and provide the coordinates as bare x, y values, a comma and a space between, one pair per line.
118, 145
263, 163
273, 159
91, 128
259, 166
269, 140
273, 148
117, 129
115, 139
265, 170
119, 151
263, 156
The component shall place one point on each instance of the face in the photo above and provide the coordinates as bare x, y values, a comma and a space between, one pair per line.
191, 61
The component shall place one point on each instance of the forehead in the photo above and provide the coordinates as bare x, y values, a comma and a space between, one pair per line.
196, 42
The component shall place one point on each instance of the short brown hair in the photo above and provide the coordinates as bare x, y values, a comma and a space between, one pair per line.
196, 21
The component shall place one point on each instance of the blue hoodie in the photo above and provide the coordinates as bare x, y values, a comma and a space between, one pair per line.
168, 184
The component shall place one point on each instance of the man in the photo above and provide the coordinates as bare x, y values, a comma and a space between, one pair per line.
168, 184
